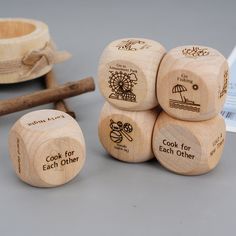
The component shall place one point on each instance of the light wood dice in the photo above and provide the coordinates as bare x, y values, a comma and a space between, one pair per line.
127, 73
188, 148
127, 136
192, 82
47, 148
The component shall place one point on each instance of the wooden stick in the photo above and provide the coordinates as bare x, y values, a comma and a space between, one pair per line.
46, 96
50, 82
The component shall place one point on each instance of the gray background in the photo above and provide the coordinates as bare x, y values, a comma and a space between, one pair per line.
110, 197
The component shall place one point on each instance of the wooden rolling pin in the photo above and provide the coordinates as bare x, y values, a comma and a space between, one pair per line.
46, 96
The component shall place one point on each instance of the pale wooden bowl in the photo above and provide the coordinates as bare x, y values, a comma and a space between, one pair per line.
19, 39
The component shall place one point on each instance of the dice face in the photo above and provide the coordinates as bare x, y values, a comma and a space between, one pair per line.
127, 73
59, 160
126, 85
47, 148
188, 148
192, 83
19, 156
45, 120
124, 135
117, 140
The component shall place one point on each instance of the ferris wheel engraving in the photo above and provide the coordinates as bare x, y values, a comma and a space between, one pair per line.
121, 84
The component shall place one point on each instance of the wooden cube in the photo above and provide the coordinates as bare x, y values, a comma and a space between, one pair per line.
188, 148
126, 135
192, 82
127, 73
47, 148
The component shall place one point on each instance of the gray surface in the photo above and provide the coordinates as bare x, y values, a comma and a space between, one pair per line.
110, 197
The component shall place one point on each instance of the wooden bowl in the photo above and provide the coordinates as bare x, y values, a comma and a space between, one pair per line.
26, 51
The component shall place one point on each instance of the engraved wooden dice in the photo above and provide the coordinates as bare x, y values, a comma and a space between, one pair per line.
47, 148
188, 148
191, 86
126, 135
192, 82
127, 73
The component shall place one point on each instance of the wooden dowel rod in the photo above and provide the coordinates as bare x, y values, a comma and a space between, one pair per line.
50, 82
47, 96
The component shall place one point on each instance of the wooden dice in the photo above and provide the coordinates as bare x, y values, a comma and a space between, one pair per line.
192, 82
191, 86
188, 148
126, 135
127, 73
47, 148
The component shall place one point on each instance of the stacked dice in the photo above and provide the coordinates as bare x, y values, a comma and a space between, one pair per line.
191, 88
127, 78
189, 83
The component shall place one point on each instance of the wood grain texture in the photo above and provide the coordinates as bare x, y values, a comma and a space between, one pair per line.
47, 148
188, 148
127, 73
127, 136
192, 82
